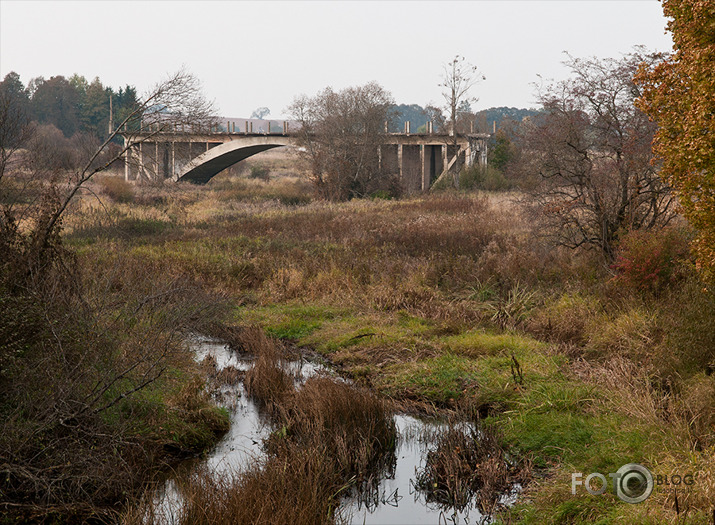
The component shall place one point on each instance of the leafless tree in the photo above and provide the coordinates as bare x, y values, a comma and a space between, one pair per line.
458, 78
341, 133
588, 156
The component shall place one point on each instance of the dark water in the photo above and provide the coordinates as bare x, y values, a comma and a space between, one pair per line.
393, 500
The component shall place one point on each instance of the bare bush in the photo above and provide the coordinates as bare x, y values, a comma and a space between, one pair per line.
77, 359
341, 133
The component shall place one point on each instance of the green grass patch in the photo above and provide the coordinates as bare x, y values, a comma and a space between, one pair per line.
440, 380
291, 321
477, 343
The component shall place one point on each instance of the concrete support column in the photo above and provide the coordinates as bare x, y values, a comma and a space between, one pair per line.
423, 171
399, 159
173, 160
429, 166
156, 161
141, 162
411, 169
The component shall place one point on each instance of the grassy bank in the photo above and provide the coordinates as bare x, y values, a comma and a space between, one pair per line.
452, 301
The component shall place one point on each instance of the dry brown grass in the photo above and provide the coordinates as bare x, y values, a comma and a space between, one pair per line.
267, 381
299, 488
626, 388
351, 424
116, 188
468, 462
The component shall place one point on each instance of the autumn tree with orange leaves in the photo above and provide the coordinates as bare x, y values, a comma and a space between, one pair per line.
679, 95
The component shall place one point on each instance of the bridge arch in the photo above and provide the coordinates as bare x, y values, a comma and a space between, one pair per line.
202, 168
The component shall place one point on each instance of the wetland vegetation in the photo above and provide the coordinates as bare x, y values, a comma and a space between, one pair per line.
440, 304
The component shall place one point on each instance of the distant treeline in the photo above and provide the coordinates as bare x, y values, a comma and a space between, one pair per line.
70, 104
75, 105
483, 121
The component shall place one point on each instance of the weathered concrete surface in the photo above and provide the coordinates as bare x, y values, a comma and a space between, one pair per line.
419, 159
202, 168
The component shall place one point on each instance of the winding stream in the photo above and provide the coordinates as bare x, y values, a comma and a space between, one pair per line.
394, 500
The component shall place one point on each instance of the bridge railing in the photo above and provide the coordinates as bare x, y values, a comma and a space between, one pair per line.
231, 127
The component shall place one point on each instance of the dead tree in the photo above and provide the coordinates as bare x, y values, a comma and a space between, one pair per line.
458, 78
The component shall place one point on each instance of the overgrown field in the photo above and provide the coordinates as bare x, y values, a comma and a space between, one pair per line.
453, 301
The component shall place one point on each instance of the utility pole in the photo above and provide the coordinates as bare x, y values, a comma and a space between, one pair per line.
111, 116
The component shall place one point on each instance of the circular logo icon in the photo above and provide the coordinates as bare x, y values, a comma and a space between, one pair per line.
634, 483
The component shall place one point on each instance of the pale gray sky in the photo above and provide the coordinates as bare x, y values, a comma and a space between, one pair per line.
250, 54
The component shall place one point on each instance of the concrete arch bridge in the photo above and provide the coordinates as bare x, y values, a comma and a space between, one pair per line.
419, 159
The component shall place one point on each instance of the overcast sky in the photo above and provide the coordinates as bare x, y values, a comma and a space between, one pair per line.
250, 54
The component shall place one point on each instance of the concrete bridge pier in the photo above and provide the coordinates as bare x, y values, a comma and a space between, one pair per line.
417, 165
411, 167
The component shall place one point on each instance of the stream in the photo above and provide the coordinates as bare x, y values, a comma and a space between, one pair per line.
394, 499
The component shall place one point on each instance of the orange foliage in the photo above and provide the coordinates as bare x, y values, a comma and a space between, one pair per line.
679, 94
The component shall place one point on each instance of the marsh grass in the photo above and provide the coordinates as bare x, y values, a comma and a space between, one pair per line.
352, 425
467, 462
267, 381
425, 299
117, 189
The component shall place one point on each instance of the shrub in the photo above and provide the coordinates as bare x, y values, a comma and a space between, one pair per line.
483, 178
651, 260
259, 172
117, 189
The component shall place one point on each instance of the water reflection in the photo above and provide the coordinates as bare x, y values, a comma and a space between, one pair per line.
396, 499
